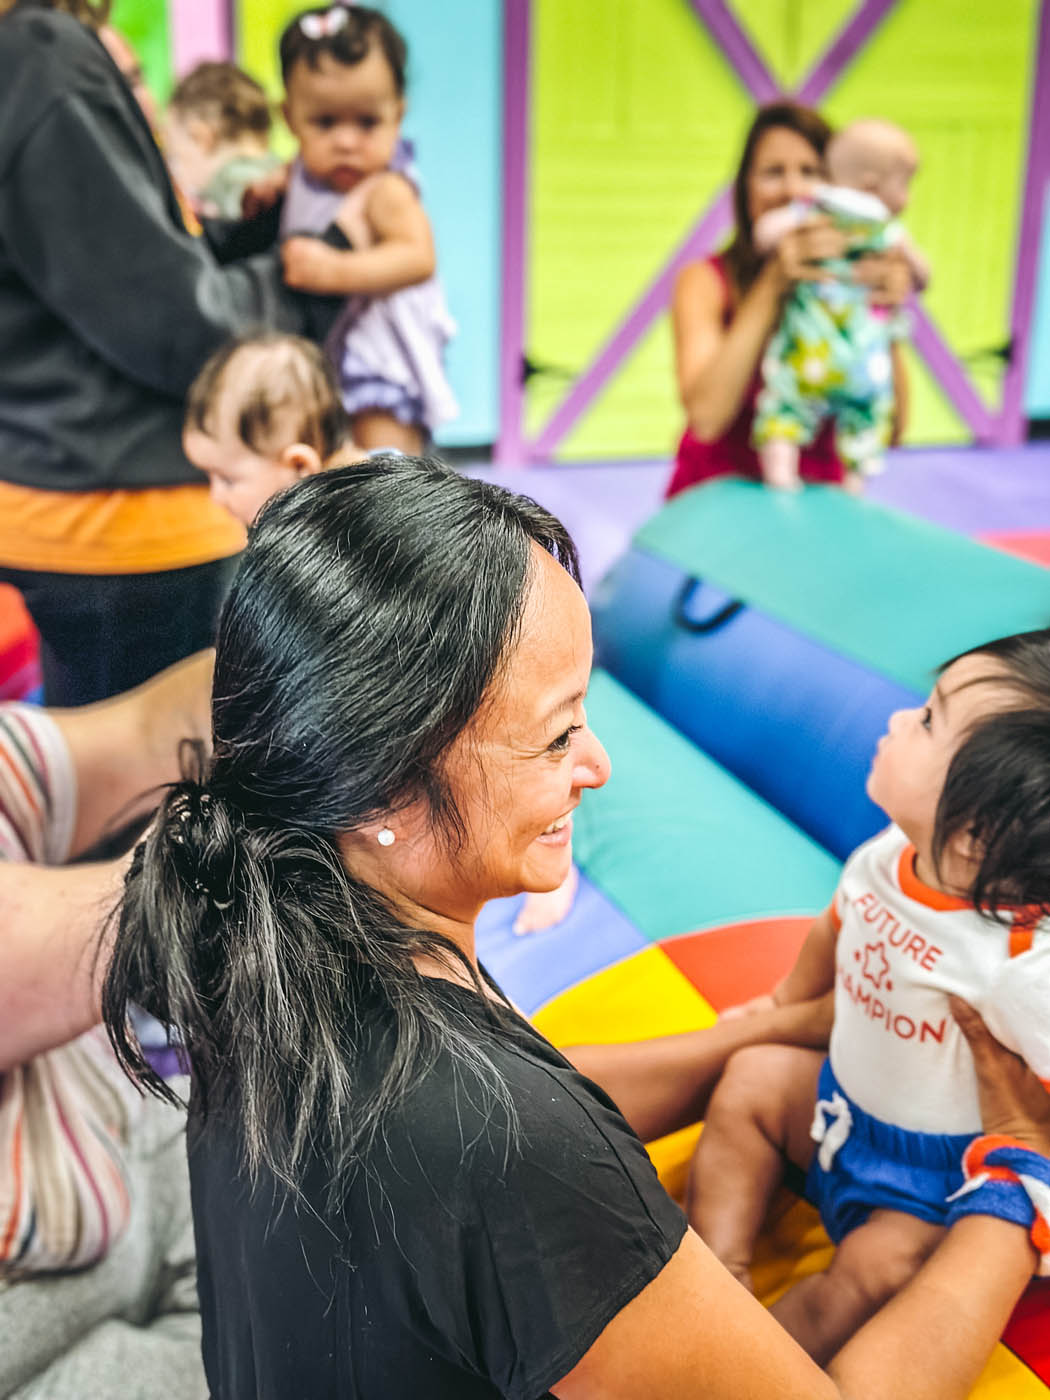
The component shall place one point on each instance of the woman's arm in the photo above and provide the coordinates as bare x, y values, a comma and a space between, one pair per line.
663, 1084
402, 255
51, 966
901, 394
101, 247
715, 364
124, 749
695, 1332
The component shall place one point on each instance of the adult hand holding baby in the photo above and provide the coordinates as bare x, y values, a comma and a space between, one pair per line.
1013, 1101
798, 255
888, 276
310, 264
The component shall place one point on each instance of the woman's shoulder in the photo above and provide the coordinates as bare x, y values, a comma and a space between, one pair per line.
521, 1112
703, 285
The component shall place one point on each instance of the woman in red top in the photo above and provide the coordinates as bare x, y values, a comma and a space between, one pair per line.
726, 307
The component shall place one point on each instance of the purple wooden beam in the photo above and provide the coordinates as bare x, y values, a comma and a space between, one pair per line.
843, 50
510, 448
726, 31
1011, 428
951, 376
696, 244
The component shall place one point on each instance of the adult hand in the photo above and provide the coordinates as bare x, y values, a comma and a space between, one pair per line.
264, 193
1013, 1101
311, 265
801, 251
887, 276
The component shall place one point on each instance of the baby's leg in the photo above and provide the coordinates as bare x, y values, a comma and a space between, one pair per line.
779, 462
374, 428
759, 1115
871, 1264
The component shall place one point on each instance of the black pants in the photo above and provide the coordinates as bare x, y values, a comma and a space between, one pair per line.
102, 634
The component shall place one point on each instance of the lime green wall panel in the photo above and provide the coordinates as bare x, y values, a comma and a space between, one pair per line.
144, 23
636, 122
637, 414
931, 417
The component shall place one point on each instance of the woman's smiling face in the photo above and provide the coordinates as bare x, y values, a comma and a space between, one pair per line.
784, 167
522, 770
519, 770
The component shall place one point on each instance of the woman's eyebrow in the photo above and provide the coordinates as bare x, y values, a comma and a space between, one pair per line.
569, 703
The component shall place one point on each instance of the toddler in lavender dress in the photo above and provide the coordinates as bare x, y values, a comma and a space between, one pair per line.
352, 182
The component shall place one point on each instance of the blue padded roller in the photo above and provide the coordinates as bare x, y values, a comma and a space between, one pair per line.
795, 721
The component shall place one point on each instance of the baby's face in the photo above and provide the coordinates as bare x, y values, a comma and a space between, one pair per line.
240, 480
346, 118
913, 756
895, 184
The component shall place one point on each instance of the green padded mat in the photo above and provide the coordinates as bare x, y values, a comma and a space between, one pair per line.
675, 841
898, 594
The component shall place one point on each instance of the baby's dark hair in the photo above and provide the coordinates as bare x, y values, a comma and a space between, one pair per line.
997, 788
346, 33
284, 386
226, 98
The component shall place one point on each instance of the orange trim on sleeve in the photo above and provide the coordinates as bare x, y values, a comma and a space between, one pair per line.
835, 917
1021, 934
113, 532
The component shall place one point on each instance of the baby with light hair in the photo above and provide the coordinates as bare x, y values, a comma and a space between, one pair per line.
831, 355
263, 412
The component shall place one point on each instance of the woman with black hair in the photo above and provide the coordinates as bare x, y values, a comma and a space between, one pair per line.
400, 1189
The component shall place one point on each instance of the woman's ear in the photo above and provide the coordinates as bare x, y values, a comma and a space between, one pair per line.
303, 459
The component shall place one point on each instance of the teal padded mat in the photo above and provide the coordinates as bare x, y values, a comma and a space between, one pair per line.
675, 841
895, 593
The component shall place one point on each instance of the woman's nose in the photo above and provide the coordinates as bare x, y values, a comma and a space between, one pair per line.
592, 764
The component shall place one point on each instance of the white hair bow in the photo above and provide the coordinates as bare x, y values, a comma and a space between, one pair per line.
323, 26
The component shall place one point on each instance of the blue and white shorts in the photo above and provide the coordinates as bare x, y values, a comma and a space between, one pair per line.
864, 1164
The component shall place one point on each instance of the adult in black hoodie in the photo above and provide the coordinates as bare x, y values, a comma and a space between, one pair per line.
108, 307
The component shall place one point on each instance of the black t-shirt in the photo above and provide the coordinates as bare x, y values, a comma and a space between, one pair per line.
466, 1262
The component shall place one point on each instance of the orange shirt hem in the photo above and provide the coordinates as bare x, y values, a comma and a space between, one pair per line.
113, 532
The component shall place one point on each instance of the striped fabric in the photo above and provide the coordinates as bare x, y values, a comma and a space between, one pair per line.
64, 1116
38, 792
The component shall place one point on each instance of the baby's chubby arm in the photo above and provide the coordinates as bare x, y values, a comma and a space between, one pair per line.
402, 255
812, 976
770, 228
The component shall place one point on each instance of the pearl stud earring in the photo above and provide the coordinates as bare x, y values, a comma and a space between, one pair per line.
386, 837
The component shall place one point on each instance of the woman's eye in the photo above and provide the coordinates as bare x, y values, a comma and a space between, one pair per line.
562, 742
927, 717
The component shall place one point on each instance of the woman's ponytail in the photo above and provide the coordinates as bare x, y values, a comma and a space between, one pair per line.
368, 620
